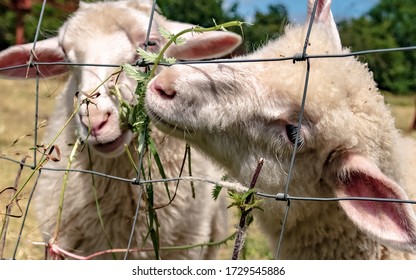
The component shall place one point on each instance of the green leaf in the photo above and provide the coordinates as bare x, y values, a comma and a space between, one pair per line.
129, 69
165, 33
180, 41
142, 141
169, 36
155, 154
155, 240
249, 220
148, 57
134, 73
168, 60
254, 205
153, 222
188, 155
216, 192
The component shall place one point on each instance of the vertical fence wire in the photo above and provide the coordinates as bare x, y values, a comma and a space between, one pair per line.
22, 226
300, 57
32, 55
35, 128
141, 154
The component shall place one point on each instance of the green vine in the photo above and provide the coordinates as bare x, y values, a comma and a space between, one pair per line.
136, 119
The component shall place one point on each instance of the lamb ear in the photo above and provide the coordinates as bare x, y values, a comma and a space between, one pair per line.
324, 15
393, 224
201, 46
46, 51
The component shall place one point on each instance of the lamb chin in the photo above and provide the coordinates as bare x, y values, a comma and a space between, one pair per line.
159, 121
115, 147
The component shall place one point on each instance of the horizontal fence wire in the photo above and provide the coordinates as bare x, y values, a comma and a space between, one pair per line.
285, 197
219, 61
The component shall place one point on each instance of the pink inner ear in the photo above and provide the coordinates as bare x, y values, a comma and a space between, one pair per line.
22, 57
210, 48
208, 45
46, 51
50, 70
390, 222
324, 10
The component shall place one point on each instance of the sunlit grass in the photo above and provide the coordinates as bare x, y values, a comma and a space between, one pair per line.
17, 124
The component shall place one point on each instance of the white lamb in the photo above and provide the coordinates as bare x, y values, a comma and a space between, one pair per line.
238, 113
109, 33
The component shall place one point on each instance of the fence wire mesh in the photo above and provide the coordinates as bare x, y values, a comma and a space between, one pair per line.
284, 197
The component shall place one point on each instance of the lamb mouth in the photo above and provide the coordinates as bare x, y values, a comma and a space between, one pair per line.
111, 146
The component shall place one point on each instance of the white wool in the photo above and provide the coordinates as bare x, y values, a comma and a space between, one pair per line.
242, 111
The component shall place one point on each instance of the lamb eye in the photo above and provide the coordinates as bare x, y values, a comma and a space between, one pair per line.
152, 43
292, 131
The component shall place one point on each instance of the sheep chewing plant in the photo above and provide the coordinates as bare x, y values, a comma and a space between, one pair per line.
139, 122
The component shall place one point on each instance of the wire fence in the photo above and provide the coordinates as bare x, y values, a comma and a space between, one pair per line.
284, 197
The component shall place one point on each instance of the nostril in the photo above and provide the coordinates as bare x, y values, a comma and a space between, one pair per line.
103, 122
164, 92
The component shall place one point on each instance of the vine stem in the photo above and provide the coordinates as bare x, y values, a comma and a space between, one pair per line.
64, 185
242, 226
195, 29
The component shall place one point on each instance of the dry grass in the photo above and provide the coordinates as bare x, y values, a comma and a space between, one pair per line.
17, 112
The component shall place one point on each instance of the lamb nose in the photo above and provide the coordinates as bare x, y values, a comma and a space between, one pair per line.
165, 92
95, 120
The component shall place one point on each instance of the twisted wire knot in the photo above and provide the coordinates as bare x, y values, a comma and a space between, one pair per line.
281, 197
299, 57
141, 63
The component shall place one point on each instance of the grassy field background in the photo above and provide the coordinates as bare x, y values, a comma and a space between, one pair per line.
17, 111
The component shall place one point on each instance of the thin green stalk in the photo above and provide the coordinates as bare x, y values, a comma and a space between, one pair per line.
159, 164
130, 157
63, 189
188, 151
196, 29
41, 163
97, 204
103, 82
72, 155
44, 158
248, 205
153, 223
139, 121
